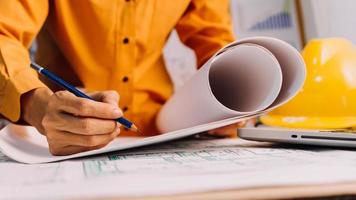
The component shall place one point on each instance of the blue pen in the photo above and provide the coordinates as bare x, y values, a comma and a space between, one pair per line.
77, 92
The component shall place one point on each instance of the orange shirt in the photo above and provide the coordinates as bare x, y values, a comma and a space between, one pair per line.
105, 45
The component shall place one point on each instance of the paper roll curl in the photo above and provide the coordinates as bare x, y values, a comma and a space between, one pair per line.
246, 77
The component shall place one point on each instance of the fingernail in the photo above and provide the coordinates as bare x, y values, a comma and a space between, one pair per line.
117, 111
118, 125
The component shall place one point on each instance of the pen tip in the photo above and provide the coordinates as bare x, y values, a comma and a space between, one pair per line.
135, 129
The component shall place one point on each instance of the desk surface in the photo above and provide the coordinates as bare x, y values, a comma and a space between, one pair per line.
327, 191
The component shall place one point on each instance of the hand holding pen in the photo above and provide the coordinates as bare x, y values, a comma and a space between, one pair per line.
75, 124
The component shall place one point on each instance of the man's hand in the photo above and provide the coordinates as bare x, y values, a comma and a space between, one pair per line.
230, 130
72, 124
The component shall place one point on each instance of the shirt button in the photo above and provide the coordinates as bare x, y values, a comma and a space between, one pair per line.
125, 79
126, 40
125, 109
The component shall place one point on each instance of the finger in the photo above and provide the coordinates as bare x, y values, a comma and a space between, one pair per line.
68, 139
231, 130
85, 126
111, 97
227, 128
227, 131
240, 124
67, 102
251, 122
224, 132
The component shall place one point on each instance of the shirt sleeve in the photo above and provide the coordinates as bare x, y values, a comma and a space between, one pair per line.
20, 21
206, 27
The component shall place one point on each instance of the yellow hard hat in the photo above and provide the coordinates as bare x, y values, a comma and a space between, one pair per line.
328, 97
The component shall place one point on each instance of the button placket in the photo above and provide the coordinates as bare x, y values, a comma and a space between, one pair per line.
125, 109
126, 58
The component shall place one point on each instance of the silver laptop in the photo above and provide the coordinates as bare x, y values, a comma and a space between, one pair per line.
338, 138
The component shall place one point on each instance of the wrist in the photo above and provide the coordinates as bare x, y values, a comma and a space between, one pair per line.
34, 105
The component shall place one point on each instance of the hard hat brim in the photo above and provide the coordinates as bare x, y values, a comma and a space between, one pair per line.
309, 122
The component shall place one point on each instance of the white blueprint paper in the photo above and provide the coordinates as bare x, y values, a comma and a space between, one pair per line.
242, 80
178, 167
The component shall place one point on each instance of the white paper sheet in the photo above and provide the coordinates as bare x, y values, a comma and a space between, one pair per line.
178, 167
242, 80
25, 144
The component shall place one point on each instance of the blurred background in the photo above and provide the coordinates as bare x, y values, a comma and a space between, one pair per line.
294, 21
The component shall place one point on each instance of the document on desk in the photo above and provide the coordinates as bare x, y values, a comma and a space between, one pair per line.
242, 80
178, 167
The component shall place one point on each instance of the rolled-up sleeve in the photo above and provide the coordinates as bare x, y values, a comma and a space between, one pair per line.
206, 27
20, 22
